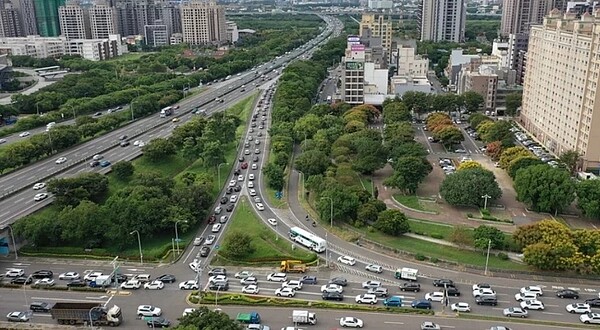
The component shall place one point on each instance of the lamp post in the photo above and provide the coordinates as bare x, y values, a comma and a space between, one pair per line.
12, 236
303, 182
139, 245
219, 173
131, 108
485, 197
177, 234
487, 259
90, 314
331, 210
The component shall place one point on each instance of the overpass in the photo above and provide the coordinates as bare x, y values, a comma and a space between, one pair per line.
52, 74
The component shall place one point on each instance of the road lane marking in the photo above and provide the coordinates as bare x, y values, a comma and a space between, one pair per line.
19, 200
550, 313
392, 322
64, 299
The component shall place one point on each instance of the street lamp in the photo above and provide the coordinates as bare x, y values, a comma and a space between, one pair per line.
90, 314
331, 210
219, 173
139, 245
131, 107
485, 197
487, 259
303, 182
177, 235
12, 236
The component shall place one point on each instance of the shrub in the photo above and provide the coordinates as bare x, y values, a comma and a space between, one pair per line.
434, 260
469, 215
502, 256
420, 257
485, 212
437, 236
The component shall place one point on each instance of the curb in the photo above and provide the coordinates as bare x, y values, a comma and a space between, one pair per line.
411, 209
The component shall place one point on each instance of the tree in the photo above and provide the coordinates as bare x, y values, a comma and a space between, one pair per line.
472, 100
345, 203
367, 214
409, 172
399, 132
526, 235
407, 149
510, 154
588, 198
449, 135
544, 188
158, 149
571, 160
484, 235
476, 119
471, 164
521, 162
494, 150
203, 318
70, 191
238, 245
466, 187
499, 131
513, 102
312, 162
275, 176
483, 130
212, 153
123, 169
461, 235
395, 112
392, 222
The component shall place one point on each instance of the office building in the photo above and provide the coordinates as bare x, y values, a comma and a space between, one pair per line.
103, 21
133, 15
442, 20
561, 85
156, 35
27, 16
353, 72
10, 21
46, 14
519, 15
203, 22
377, 26
72, 22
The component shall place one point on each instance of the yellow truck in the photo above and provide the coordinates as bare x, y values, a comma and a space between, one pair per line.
292, 266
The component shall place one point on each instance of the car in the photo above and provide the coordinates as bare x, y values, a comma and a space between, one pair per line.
593, 302
2, 141
277, 277
204, 251
188, 311
421, 304
410, 286
167, 278
341, 281
237, 188
486, 300
590, 318
379, 292
218, 210
44, 282
154, 285
251, 288
460, 307
347, 260
249, 280
393, 301
244, 166
533, 288
17, 316
104, 163
247, 152
252, 192
332, 288
260, 207
351, 322
481, 286
40, 306
131, 284
366, 299
430, 326
294, 284
515, 311
198, 240
251, 176
230, 207
126, 143
77, 283
567, 293
223, 219
39, 185
308, 279
272, 221
40, 197
443, 282
195, 265
452, 291
371, 284
243, 274
525, 296
210, 239
69, 276
158, 322
189, 285
223, 200
216, 227
94, 163
61, 160
21, 280
42, 274
233, 198
289, 292
219, 286
218, 278
374, 268
175, 119
484, 292
254, 166
144, 278
578, 308
255, 159
532, 304
24, 134
435, 296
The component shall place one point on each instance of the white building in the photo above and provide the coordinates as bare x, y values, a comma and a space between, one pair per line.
103, 21
72, 22
203, 22
401, 85
501, 50
381, 4
233, 35
410, 64
442, 20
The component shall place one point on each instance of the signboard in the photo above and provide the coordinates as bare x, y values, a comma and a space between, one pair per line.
354, 65
357, 48
353, 39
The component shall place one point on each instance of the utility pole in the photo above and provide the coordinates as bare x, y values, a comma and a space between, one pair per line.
485, 197
487, 259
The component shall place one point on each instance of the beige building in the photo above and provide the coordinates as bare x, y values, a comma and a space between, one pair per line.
442, 20
561, 85
482, 80
379, 27
42, 47
103, 21
203, 22
72, 22
519, 15
410, 64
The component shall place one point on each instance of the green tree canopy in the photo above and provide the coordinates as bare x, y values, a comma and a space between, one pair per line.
205, 319
521, 162
238, 245
473, 101
409, 172
588, 198
488, 235
158, 149
392, 222
466, 187
544, 188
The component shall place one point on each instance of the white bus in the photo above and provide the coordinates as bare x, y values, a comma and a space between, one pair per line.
307, 239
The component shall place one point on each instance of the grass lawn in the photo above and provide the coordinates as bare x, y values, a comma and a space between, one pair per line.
269, 247
413, 202
367, 183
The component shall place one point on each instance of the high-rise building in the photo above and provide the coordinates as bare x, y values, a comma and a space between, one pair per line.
170, 14
10, 21
519, 15
72, 21
27, 13
103, 21
379, 27
133, 15
561, 85
156, 35
203, 22
46, 14
442, 20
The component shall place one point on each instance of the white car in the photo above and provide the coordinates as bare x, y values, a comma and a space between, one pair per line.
366, 299
189, 285
351, 322
374, 268
251, 289
294, 284
218, 278
61, 160
371, 284
44, 282
533, 288
69, 276
252, 192
243, 274
154, 285
131, 284
347, 260
249, 280
483, 292
188, 311
593, 318
240, 178
24, 134
579, 308
250, 184
148, 310
332, 288
525, 296
250, 176
216, 227
289, 292
460, 307
277, 277
481, 286
141, 144
430, 326
195, 265
39, 185
260, 206
92, 276
40, 197
210, 239
435, 296
532, 304
14, 272
272, 222
232, 183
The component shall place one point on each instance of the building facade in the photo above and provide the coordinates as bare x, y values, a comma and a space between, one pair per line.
442, 20
10, 21
378, 27
73, 23
410, 64
46, 14
103, 21
353, 72
156, 35
203, 22
560, 90
133, 15
233, 34
27, 15
519, 15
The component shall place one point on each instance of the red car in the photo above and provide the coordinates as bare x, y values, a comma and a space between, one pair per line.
212, 219
244, 166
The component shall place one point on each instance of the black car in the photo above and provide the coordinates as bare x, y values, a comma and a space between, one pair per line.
567, 293
37, 306
124, 143
452, 291
237, 171
158, 322
307, 279
76, 284
21, 280
120, 278
123, 137
224, 200
339, 281
486, 300
255, 159
241, 159
167, 278
229, 207
204, 251
411, 286
94, 163
219, 286
332, 296
443, 282
217, 271
237, 188
42, 274
229, 190
594, 302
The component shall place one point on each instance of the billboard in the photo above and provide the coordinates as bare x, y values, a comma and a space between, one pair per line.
354, 65
353, 38
357, 48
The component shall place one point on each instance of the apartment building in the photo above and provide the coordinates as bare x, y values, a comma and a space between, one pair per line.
411, 64
73, 23
26, 12
442, 20
46, 14
203, 22
103, 21
482, 80
10, 20
377, 26
156, 35
353, 72
42, 47
561, 82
